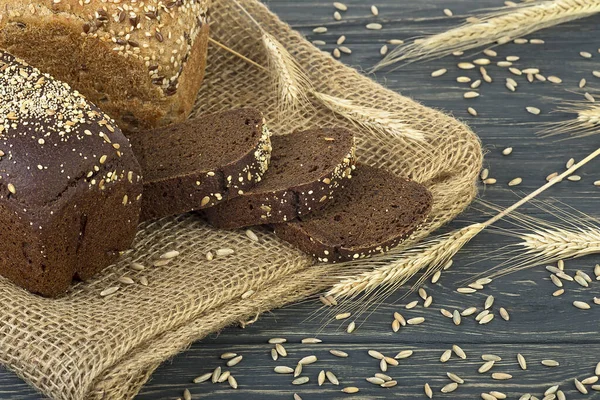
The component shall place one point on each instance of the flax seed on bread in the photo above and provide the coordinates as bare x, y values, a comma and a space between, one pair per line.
307, 169
142, 62
70, 186
375, 212
201, 162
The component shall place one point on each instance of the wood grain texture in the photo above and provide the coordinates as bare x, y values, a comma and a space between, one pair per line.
541, 326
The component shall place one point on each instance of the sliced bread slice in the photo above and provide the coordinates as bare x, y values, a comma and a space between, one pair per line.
307, 169
375, 212
201, 162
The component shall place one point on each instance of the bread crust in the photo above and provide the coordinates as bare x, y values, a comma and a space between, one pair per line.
271, 205
391, 209
183, 187
70, 186
143, 65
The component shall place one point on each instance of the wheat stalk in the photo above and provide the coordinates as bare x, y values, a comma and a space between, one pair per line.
586, 123
499, 27
397, 268
372, 119
432, 254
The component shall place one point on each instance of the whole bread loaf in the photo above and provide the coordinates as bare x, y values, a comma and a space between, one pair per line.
70, 186
142, 62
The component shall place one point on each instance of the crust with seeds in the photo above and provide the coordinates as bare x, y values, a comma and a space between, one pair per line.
307, 170
202, 162
70, 187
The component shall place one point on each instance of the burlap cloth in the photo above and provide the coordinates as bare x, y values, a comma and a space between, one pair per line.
84, 346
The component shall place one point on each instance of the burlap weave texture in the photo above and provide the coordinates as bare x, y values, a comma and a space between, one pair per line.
83, 346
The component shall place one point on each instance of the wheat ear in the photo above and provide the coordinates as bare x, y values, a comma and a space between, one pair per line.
292, 83
499, 27
573, 234
372, 119
432, 254
393, 270
586, 123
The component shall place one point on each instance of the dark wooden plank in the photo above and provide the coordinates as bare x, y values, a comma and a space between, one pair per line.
541, 326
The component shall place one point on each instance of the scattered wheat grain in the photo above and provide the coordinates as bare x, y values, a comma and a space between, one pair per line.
468, 311
550, 363
465, 65
428, 391
203, 378
445, 356
459, 351
332, 378
301, 380
375, 381
455, 378
482, 314
439, 72
109, 291
515, 71
340, 6
490, 357
554, 79
582, 389
343, 316
311, 341
486, 366
449, 388
487, 319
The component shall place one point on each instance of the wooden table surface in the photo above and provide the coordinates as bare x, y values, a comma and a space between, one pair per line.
541, 326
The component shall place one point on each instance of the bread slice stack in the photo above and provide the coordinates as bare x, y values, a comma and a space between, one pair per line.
305, 184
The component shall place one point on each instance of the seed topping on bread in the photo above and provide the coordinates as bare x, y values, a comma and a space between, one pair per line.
36, 108
133, 28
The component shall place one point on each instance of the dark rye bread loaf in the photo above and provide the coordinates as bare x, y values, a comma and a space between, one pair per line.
375, 212
307, 169
201, 162
70, 187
